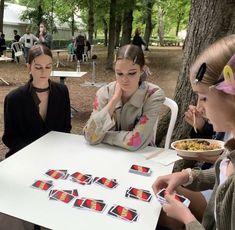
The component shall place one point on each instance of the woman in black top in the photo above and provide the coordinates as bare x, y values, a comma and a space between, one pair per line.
37, 107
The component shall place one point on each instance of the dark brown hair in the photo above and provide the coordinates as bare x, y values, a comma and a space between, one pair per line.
133, 53
38, 50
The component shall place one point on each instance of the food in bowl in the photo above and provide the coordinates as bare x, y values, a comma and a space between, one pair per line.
197, 145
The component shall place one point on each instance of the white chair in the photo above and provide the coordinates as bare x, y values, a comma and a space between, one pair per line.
84, 55
174, 112
90, 52
17, 49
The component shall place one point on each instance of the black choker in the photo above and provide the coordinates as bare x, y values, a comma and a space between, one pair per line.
39, 90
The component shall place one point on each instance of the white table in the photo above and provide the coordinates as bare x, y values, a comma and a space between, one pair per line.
63, 74
5, 59
68, 151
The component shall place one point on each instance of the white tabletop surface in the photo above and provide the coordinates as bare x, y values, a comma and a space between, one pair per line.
67, 74
5, 58
68, 151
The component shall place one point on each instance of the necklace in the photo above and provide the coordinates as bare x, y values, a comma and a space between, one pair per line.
40, 90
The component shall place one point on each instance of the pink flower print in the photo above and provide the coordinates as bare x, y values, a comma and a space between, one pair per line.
143, 120
152, 91
135, 140
95, 103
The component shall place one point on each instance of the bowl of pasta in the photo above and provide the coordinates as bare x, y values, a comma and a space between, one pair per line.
195, 147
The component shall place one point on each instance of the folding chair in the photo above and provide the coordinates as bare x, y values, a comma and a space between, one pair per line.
89, 53
174, 112
84, 55
17, 49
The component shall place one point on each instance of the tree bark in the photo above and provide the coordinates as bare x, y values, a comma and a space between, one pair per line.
127, 23
118, 30
105, 26
111, 43
149, 25
209, 20
90, 20
1, 15
160, 26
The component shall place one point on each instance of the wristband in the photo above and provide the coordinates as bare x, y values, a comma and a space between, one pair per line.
190, 176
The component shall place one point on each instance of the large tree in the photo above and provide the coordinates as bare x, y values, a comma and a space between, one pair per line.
1, 15
209, 21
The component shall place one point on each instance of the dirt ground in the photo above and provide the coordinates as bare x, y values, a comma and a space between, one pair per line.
164, 64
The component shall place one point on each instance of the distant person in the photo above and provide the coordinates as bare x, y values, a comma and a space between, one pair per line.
15, 39
71, 49
138, 40
45, 37
28, 40
126, 110
80, 46
37, 107
3, 46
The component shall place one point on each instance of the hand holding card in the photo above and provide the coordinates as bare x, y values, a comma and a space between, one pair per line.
161, 197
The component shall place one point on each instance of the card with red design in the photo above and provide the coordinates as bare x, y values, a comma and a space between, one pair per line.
161, 197
139, 194
105, 182
93, 205
140, 170
62, 196
73, 192
56, 174
78, 202
80, 178
123, 213
43, 185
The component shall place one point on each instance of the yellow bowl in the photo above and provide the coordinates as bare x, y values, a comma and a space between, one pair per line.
195, 153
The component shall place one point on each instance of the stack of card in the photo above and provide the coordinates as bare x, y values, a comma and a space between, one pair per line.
140, 170
57, 173
83, 179
44, 185
65, 196
105, 182
139, 194
90, 204
123, 213
161, 197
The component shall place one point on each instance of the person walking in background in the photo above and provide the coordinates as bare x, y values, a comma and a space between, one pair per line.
45, 37
138, 40
126, 110
37, 107
15, 39
28, 40
80, 46
3, 46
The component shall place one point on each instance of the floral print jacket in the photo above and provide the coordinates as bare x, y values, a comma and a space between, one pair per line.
131, 125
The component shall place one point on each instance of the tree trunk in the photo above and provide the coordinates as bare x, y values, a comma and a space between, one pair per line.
72, 24
160, 26
127, 24
105, 25
1, 15
90, 20
111, 43
149, 26
118, 30
209, 20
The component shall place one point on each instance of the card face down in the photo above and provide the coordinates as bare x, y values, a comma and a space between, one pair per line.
105, 182
139, 194
123, 213
81, 178
93, 205
63, 196
43, 184
141, 170
56, 174
161, 197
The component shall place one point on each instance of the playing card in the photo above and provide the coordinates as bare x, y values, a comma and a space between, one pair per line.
73, 192
81, 178
139, 194
105, 182
43, 184
93, 205
56, 174
60, 195
161, 197
141, 170
123, 213
78, 202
